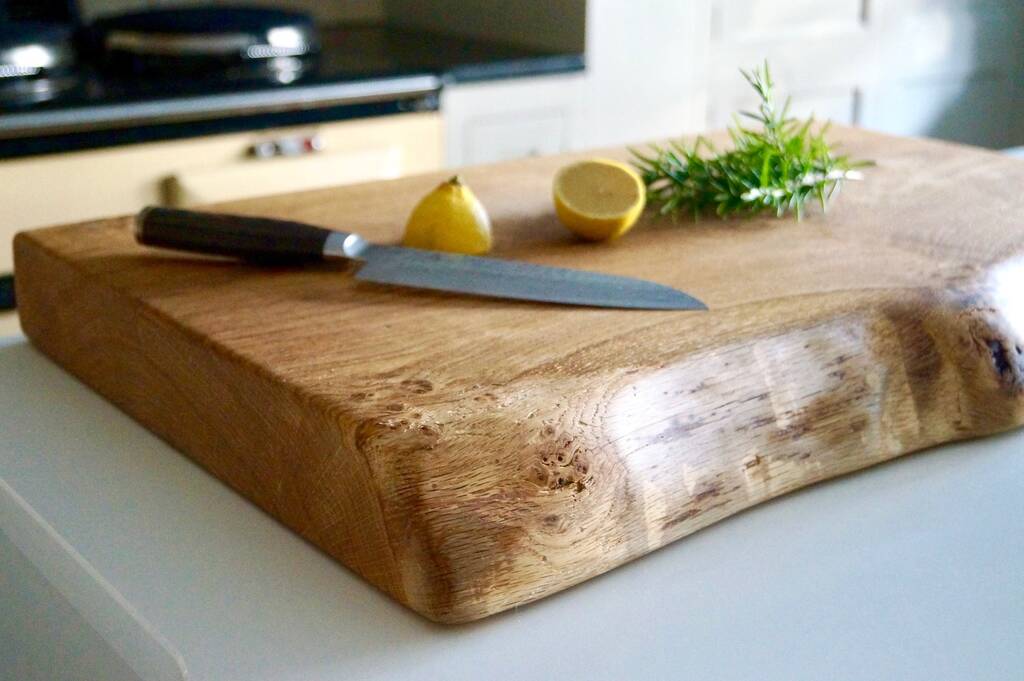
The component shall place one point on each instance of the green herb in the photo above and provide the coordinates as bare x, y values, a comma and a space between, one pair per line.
780, 165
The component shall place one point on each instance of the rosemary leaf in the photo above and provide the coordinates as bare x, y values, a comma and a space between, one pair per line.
778, 166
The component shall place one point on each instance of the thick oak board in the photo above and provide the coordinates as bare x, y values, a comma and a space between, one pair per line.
469, 455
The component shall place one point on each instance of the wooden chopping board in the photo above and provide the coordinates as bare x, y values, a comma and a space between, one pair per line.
468, 455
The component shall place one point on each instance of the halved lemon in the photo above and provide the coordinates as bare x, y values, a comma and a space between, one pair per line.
598, 198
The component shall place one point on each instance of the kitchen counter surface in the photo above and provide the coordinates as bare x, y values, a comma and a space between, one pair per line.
909, 570
361, 71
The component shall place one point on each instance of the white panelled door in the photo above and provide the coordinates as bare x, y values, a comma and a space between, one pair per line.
942, 68
661, 68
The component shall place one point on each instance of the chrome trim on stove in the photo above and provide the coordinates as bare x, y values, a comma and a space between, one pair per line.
271, 51
32, 59
15, 71
140, 42
202, 107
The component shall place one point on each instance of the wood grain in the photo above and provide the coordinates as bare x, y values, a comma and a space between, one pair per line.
467, 456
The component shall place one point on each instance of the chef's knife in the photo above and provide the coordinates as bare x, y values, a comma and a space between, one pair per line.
267, 239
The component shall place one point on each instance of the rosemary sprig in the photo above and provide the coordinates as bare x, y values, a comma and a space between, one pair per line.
779, 165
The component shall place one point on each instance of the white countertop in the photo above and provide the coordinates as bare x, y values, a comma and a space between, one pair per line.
910, 570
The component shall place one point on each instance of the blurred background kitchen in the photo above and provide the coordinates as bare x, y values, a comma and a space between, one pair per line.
110, 105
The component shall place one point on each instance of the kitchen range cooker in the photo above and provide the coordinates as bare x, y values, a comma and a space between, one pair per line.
137, 73
174, 72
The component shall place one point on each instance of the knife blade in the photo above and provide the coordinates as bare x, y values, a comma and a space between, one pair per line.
269, 239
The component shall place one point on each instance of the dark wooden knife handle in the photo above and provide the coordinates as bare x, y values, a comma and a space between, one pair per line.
261, 239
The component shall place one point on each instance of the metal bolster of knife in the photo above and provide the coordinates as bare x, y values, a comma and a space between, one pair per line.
345, 245
251, 238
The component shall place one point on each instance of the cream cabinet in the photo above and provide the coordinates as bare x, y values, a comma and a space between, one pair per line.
9, 323
64, 188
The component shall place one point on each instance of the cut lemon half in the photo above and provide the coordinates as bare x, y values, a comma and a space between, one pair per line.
599, 198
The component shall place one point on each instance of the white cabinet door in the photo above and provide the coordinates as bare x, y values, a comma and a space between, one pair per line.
808, 44
523, 133
945, 68
662, 68
647, 70
645, 79
496, 121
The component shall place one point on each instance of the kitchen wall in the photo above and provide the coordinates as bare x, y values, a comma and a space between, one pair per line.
952, 69
557, 26
645, 78
547, 25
